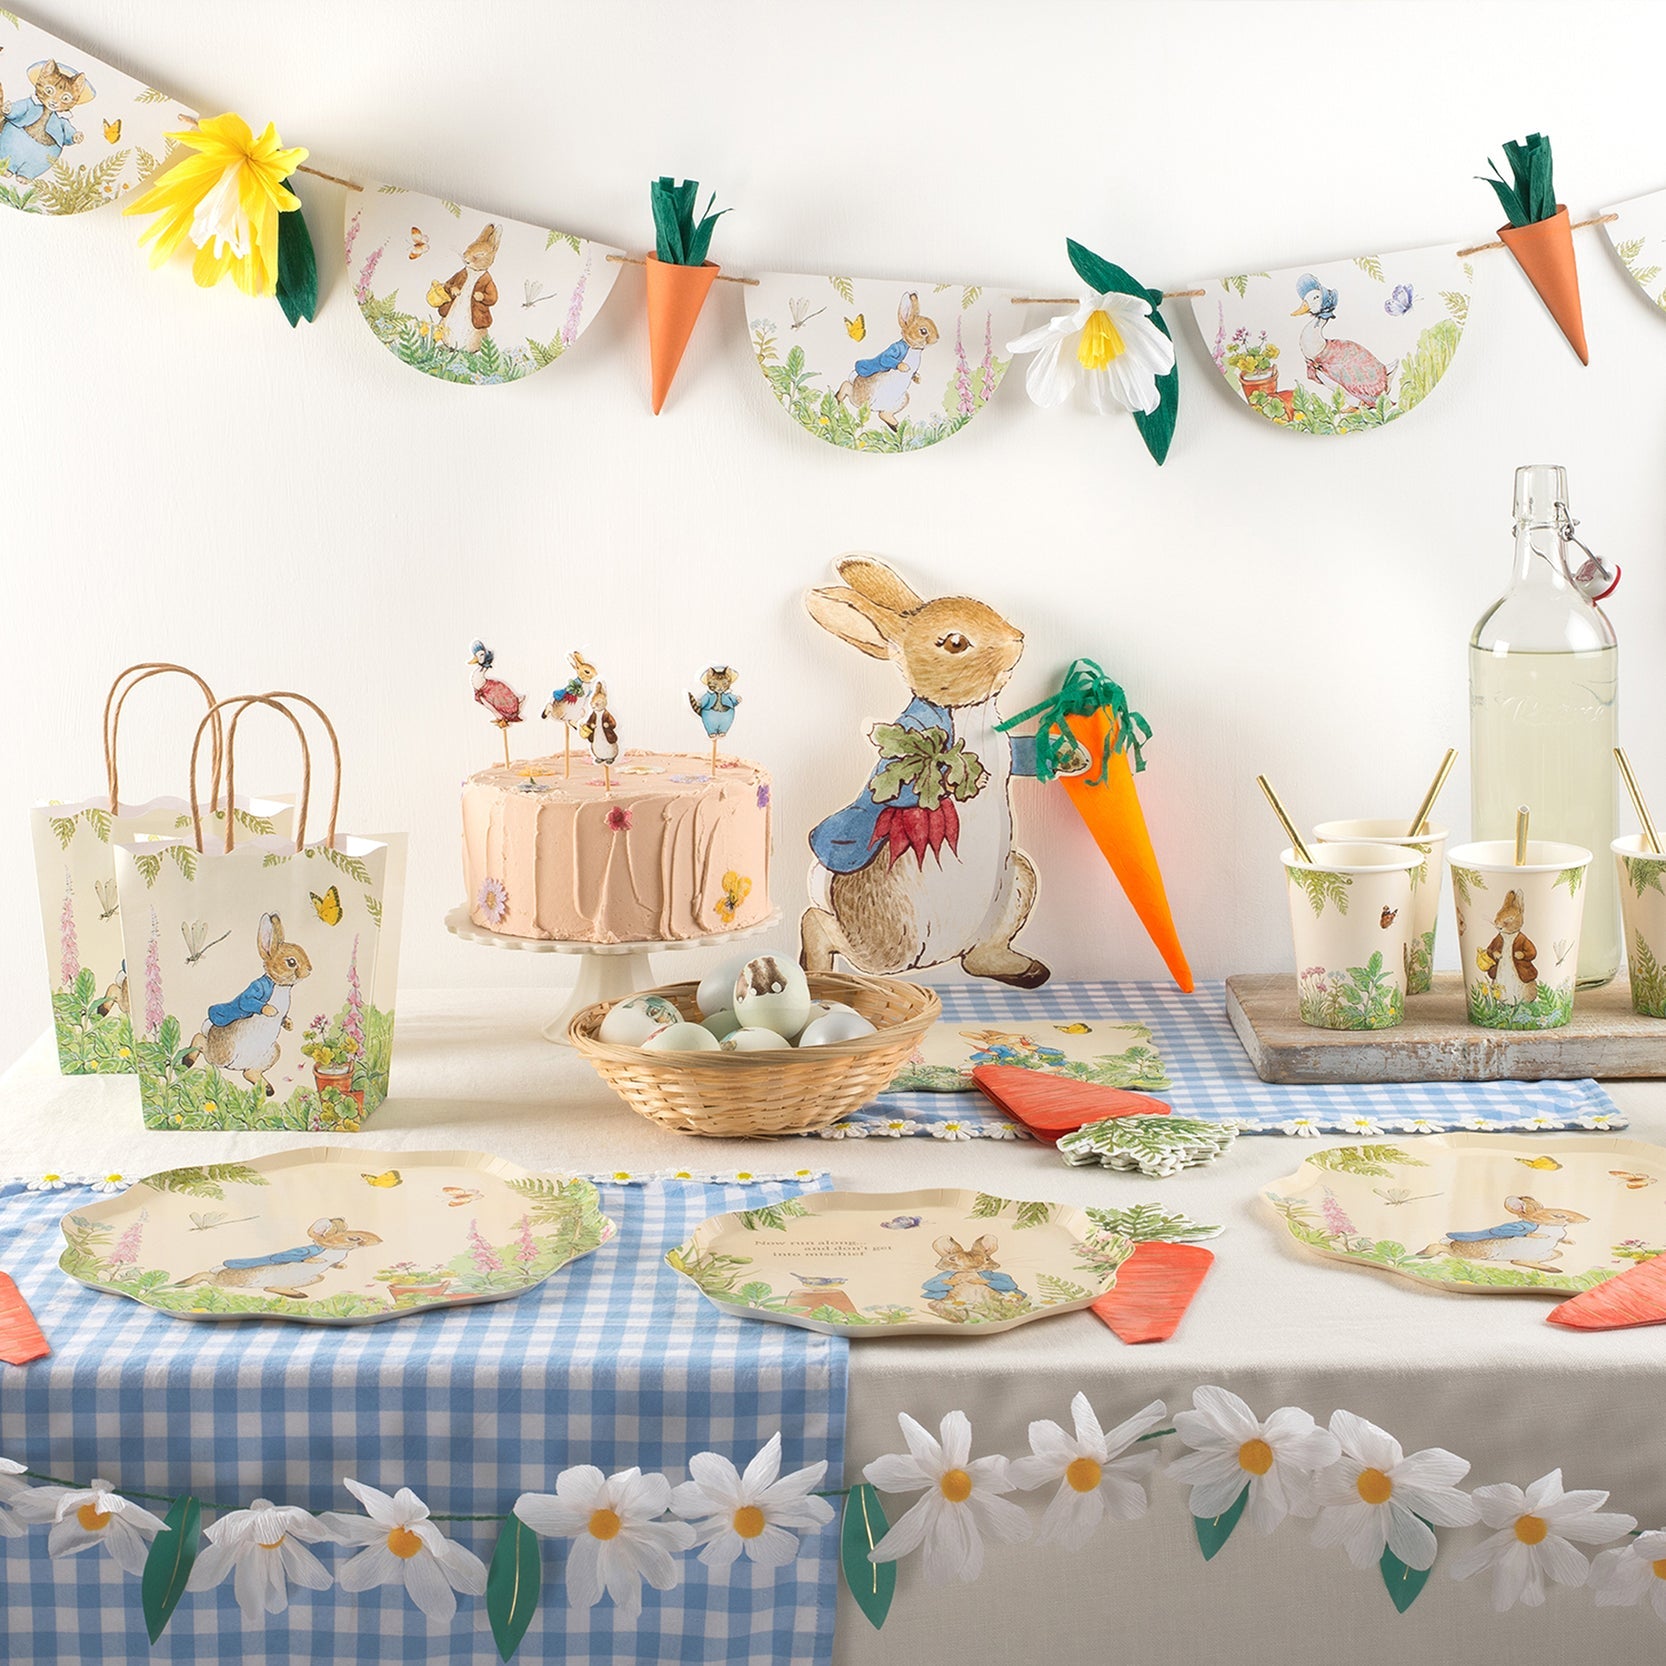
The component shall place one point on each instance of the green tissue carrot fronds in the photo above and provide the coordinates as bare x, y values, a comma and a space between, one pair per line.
680, 239
1532, 196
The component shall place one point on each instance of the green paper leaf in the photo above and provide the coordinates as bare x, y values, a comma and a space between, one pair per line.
873, 1584
678, 239
1213, 1532
1404, 1584
513, 1584
168, 1566
297, 289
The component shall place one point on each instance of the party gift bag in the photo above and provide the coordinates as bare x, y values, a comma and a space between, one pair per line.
269, 965
80, 911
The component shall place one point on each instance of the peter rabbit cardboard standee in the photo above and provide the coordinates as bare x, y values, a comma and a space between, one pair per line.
269, 968
75, 873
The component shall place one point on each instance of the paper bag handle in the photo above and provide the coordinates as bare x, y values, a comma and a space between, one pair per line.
276, 696
117, 698
241, 702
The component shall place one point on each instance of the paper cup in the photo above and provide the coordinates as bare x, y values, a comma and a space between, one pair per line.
1350, 915
1643, 909
1425, 883
1518, 930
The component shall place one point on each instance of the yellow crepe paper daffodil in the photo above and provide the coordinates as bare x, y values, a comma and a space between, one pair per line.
225, 201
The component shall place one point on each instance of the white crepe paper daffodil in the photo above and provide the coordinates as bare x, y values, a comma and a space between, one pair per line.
403, 1547
962, 1500
96, 1514
10, 1490
1232, 1448
1374, 1497
618, 1540
1094, 1479
1622, 1577
1537, 1531
735, 1513
1108, 346
263, 1549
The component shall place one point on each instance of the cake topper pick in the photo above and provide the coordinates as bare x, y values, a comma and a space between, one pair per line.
602, 734
500, 700
716, 707
568, 701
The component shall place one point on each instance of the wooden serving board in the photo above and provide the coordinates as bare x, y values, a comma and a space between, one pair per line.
1437, 1043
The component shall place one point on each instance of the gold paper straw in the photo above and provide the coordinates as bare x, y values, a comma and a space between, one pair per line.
1650, 837
1433, 793
1284, 820
1521, 836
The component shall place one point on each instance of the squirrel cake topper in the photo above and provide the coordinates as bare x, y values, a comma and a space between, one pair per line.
716, 707
502, 703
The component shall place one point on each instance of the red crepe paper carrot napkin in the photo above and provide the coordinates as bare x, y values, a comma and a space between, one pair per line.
1052, 1105
1086, 737
1635, 1297
1154, 1287
21, 1339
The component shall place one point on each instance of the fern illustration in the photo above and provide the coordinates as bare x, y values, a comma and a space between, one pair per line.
207, 1181
1457, 304
1573, 878
1464, 880
1320, 887
1376, 1161
1371, 266
562, 237
1644, 873
1648, 980
846, 290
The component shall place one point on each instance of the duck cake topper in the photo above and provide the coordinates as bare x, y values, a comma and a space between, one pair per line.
716, 706
601, 734
921, 867
1340, 347
501, 703
570, 702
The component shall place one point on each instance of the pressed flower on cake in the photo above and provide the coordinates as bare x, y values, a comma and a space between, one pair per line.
1373, 1496
492, 899
1108, 345
618, 819
961, 1500
263, 1550
403, 1547
1093, 1476
1233, 1449
736, 1514
83, 1517
1537, 1531
1622, 1577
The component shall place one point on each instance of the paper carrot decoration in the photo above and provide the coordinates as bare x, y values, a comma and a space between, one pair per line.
20, 1336
1086, 738
1154, 1287
1052, 1105
679, 277
1634, 1297
1540, 235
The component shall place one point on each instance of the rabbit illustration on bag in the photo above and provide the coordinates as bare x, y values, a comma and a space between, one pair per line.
966, 1278
940, 788
1535, 1238
332, 1241
244, 1034
881, 384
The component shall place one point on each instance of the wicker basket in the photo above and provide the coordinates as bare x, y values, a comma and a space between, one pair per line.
760, 1095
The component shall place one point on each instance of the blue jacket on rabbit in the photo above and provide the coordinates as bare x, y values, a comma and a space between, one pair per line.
1510, 1229
245, 1006
302, 1252
844, 842
888, 360
937, 1289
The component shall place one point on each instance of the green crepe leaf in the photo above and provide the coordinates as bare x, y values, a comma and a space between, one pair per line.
1213, 1532
678, 239
297, 289
1404, 1584
1104, 278
873, 1584
168, 1566
1530, 194
513, 1584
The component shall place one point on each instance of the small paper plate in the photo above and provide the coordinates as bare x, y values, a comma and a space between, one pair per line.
934, 1263
1482, 1213
333, 1235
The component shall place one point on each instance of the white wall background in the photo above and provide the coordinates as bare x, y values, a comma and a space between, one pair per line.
185, 478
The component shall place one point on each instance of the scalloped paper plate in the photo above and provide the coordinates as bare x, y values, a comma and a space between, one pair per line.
334, 1235
933, 1263
1480, 1213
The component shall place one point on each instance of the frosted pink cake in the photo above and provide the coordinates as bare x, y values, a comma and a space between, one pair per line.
668, 853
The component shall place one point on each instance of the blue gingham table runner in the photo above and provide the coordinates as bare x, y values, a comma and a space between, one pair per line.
1212, 1077
615, 1361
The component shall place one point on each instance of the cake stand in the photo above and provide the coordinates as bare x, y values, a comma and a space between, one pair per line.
607, 971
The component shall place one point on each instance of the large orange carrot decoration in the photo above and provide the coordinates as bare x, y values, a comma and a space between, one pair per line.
1086, 739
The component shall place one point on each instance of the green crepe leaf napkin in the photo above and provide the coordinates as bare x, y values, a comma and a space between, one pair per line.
1404, 1584
1103, 278
1213, 1532
873, 1584
168, 1565
513, 1583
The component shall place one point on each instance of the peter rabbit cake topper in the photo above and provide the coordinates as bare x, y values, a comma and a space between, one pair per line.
569, 703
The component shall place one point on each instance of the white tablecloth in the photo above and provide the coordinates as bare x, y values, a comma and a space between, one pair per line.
1483, 1376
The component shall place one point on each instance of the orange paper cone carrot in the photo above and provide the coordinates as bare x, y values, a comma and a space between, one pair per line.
1544, 251
675, 296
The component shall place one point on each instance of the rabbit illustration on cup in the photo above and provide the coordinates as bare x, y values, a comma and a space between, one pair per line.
332, 1241
940, 789
1509, 960
881, 384
966, 1278
244, 1034
1534, 1238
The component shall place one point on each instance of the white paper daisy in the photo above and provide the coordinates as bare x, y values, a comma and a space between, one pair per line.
1363, 1125
735, 1514
1093, 1477
263, 1550
951, 1130
1108, 346
844, 1131
401, 1546
83, 1517
1233, 1449
1622, 1577
46, 1183
1302, 1127
108, 1182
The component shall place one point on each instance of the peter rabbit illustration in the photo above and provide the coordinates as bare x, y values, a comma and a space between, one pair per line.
332, 1242
1508, 960
879, 901
966, 1278
34, 131
466, 333
1535, 1238
243, 1034
1009, 1047
115, 996
882, 384
599, 729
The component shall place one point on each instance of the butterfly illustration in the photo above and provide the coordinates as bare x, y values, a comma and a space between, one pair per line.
213, 1218
328, 906
1388, 916
901, 1223
1074, 1029
857, 328
112, 130
1632, 1182
1548, 1164
419, 243
1399, 301
801, 314
194, 934
388, 1180
535, 292
457, 1197
106, 889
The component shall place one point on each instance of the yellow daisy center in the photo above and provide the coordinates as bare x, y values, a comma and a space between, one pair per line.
1374, 1486
1659, 1568
1256, 1456
1083, 1474
92, 1518
404, 1543
1531, 1530
604, 1524
956, 1486
1100, 343
749, 1521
